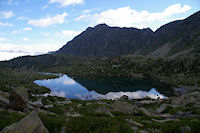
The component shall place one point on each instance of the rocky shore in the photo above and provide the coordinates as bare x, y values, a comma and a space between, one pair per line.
179, 113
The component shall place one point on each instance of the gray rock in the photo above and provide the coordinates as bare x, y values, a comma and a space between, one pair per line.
48, 106
143, 131
74, 114
124, 107
161, 108
185, 129
30, 124
135, 123
134, 128
19, 99
4, 94
64, 102
4, 102
63, 130
88, 104
145, 111
147, 101
37, 104
104, 110
163, 121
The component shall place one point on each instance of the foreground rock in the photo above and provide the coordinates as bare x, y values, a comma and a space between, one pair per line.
30, 124
104, 110
19, 99
124, 107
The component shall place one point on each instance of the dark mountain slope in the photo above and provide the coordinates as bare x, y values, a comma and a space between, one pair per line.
178, 36
104, 41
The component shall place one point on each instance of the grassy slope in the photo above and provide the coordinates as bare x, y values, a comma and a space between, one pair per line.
179, 71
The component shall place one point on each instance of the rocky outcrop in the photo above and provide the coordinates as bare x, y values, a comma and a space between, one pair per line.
124, 107
36, 104
30, 124
19, 99
104, 110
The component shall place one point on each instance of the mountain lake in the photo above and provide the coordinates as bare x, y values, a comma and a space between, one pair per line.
111, 88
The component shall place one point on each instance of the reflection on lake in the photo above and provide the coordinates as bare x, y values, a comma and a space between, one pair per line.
65, 86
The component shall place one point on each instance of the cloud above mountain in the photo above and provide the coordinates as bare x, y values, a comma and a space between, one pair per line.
47, 21
127, 17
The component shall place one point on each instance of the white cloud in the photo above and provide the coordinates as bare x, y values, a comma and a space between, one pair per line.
84, 16
10, 55
5, 25
64, 3
22, 18
10, 2
25, 39
27, 29
21, 30
44, 7
45, 22
45, 33
3, 39
59, 94
6, 15
127, 17
153, 93
70, 33
9, 51
86, 11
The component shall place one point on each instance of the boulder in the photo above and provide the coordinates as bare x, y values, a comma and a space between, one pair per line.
64, 102
104, 110
143, 131
124, 107
19, 99
63, 129
147, 101
162, 108
185, 129
145, 111
37, 104
48, 106
135, 123
30, 124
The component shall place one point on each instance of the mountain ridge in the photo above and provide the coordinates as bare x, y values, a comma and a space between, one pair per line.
105, 41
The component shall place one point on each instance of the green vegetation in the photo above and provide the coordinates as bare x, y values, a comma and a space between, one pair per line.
53, 123
92, 124
12, 78
7, 118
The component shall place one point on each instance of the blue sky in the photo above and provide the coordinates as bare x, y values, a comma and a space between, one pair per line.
31, 27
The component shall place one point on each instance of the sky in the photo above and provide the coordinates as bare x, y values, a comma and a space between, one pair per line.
32, 27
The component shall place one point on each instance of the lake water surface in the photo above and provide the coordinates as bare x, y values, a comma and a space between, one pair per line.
85, 89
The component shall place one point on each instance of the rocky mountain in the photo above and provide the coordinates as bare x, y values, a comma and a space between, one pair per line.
173, 39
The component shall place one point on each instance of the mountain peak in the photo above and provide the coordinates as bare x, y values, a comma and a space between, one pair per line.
103, 25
